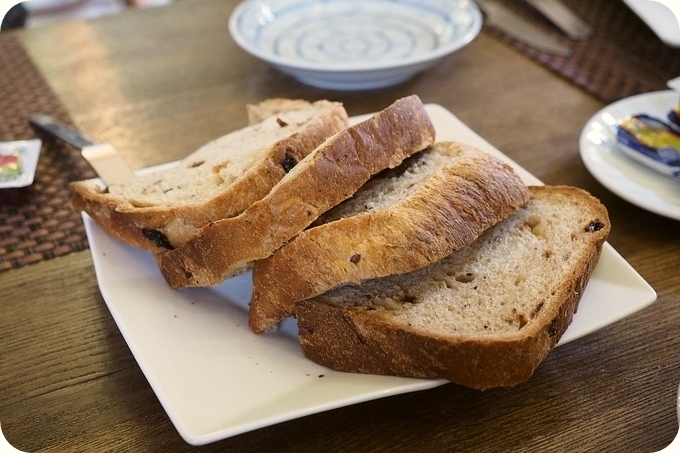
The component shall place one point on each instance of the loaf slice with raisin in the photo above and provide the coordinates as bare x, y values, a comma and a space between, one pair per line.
403, 219
330, 174
485, 316
221, 179
272, 107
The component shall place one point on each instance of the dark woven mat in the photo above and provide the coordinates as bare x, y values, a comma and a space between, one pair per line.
621, 58
36, 222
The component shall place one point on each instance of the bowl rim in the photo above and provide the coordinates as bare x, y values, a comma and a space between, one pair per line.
421, 58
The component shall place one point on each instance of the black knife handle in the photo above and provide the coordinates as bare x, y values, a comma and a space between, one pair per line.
48, 124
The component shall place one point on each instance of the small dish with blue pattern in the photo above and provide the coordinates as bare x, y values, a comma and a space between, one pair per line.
354, 44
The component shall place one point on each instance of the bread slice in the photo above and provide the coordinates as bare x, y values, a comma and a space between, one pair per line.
220, 180
273, 107
403, 219
330, 174
485, 316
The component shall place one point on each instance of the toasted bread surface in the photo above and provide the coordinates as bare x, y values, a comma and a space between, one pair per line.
485, 316
435, 202
330, 174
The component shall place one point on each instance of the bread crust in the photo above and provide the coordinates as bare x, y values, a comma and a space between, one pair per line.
450, 209
348, 339
329, 175
155, 228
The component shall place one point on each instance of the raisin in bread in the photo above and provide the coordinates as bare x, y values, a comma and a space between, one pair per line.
220, 180
330, 174
403, 219
485, 316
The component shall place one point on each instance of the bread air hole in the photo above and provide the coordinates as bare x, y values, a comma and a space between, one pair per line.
535, 225
521, 320
409, 299
518, 319
385, 303
141, 203
467, 277
536, 310
216, 177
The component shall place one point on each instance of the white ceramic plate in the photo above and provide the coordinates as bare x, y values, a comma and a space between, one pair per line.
353, 44
662, 16
631, 180
216, 379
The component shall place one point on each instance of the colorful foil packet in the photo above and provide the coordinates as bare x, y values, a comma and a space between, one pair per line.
10, 166
18, 161
651, 142
674, 118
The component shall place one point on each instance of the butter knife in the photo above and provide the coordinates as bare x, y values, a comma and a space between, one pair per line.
507, 21
109, 165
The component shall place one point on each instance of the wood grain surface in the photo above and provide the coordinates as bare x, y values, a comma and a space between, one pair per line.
158, 83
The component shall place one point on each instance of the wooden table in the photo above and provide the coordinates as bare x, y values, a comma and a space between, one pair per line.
157, 84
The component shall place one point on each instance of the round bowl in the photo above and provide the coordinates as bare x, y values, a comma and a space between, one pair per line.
354, 44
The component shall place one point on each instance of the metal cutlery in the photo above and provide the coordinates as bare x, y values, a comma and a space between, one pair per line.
564, 18
504, 19
109, 165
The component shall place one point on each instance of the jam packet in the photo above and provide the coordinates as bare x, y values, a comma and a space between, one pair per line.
651, 142
18, 161
674, 118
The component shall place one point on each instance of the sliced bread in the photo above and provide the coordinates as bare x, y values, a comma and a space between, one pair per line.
330, 174
221, 179
435, 202
485, 316
272, 107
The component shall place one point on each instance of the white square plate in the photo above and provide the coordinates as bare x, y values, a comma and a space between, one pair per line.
216, 379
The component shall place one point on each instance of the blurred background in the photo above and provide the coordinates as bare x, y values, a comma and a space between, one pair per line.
37, 13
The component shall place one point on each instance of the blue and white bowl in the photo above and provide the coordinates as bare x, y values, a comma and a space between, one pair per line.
354, 44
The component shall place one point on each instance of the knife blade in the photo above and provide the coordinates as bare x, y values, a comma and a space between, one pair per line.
562, 17
507, 21
109, 165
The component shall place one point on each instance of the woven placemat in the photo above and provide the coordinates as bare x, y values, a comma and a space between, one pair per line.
622, 56
36, 222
